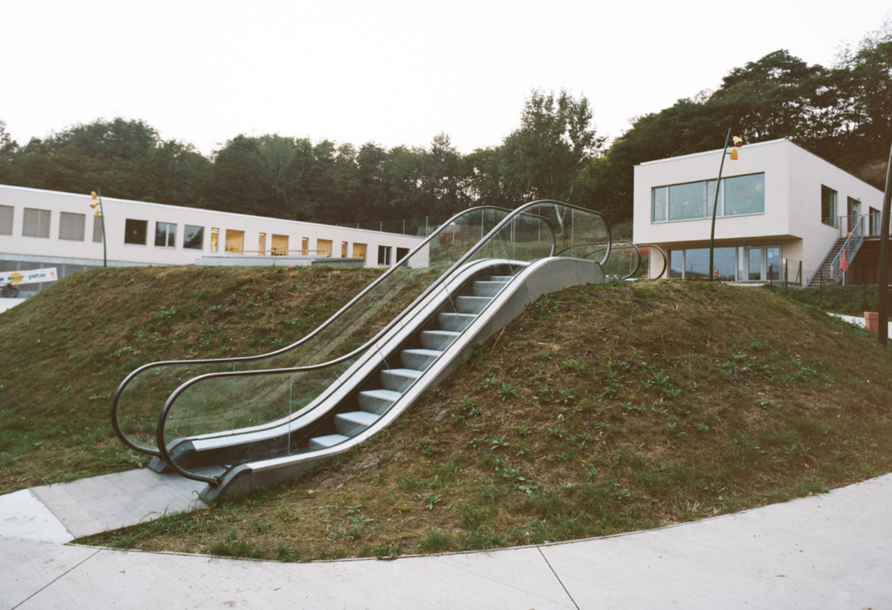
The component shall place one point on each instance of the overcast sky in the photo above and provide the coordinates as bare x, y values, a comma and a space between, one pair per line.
390, 72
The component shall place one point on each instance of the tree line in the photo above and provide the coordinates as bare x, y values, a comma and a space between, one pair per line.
842, 113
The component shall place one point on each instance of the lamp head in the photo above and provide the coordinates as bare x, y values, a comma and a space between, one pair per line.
734, 154
738, 141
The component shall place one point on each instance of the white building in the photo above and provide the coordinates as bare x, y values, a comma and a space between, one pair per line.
51, 229
781, 211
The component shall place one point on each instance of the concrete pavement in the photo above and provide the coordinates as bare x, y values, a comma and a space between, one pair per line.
827, 551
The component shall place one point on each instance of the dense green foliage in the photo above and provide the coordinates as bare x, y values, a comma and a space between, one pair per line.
842, 113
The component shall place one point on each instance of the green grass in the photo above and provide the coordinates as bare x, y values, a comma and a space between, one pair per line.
851, 300
66, 350
601, 409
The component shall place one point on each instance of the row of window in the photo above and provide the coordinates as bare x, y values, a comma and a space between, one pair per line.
738, 195
740, 264
36, 223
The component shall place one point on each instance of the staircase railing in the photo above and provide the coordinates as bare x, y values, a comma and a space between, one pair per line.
225, 403
850, 248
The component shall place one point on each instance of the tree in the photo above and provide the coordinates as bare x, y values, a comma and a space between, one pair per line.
543, 158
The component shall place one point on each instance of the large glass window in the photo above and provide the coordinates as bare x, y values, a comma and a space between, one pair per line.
6, 214
193, 237
36, 223
738, 195
828, 206
135, 231
215, 239
165, 235
676, 264
323, 247
72, 226
687, 201
97, 229
754, 263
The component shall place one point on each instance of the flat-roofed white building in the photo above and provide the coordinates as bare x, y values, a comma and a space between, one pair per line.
41, 228
781, 212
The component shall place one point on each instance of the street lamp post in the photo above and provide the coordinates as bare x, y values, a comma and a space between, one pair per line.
96, 204
715, 203
883, 271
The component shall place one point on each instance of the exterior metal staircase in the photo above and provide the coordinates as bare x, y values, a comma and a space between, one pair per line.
824, 276
829, 272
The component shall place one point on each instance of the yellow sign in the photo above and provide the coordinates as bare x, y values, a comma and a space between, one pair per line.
15, 278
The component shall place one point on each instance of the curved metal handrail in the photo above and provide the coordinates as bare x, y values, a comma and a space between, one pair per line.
662, 254
119, 392
521, 211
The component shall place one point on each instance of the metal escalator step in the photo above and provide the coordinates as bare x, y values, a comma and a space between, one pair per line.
455, 322
397, 380
419, 359
351, 424
471, 304
487, 289
321, 442
437, 339
378, 401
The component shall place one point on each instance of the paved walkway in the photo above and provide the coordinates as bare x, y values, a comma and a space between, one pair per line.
9, 303
828, 551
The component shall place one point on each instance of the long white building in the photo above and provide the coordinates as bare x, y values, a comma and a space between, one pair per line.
41, 228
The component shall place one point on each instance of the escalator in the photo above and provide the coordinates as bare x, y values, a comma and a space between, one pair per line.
239, 423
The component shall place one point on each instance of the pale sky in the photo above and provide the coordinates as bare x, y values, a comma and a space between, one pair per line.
391, 72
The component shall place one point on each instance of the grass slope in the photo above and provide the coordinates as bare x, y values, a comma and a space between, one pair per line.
66, 350
602, 409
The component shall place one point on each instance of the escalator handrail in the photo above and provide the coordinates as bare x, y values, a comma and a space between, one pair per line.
120, 390
662, 254
213, 481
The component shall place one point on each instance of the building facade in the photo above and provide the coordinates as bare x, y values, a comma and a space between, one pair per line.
781, 210
52, 229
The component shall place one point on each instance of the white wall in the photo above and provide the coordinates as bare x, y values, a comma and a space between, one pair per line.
117, 211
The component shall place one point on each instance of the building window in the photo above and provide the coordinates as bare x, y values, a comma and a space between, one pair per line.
135, 231
828, 206
36, 223
6, 214
193, 237
358, 250
261, 244
72, 226
165, 235
323, 247
235, 241
343, 249
215, 239
304, 245
97, 229
660, 203
401, 253
384, 255
738, 195
280, 245
753, 263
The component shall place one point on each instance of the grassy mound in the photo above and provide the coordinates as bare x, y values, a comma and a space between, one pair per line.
66, 350
602, 409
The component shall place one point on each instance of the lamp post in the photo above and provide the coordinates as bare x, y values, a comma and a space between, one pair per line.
883, 271
96, 204
715, 203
